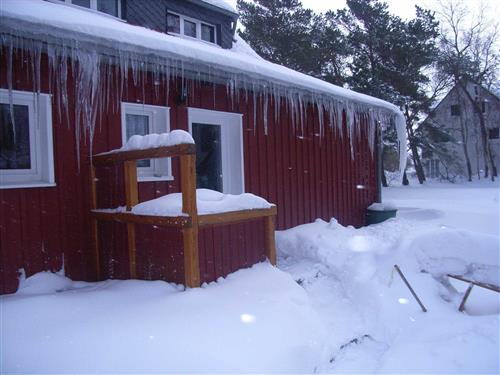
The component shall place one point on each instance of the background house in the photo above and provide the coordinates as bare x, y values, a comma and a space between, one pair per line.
459, 128
82, 81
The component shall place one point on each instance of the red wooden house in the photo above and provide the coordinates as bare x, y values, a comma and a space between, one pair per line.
77, 82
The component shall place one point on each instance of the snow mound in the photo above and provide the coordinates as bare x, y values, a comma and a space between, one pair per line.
44, 282
141, 142
348, 251
208, 202
458, 252
256, 320
356, 255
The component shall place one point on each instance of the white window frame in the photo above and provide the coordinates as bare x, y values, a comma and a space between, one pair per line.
93, 7
41, 173
198, 28
231, 125
159, 122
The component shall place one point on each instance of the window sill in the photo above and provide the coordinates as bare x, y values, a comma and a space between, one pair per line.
28, 185
154, 178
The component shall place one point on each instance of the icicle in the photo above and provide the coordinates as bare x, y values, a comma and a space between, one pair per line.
254, 102
9, 86
265, 112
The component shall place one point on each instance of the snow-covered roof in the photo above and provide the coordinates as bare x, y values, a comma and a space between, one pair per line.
81, 30
58, 21
228, 5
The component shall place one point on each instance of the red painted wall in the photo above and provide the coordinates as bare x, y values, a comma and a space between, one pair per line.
306, 175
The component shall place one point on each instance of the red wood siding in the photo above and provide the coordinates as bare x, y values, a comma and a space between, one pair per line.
307, 175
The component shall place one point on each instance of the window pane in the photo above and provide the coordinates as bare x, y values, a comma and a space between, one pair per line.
108, 6
189, 28
173, 23
208, 156
207, 33
455, 110
494, 133
81, 3
14, 141
138, 125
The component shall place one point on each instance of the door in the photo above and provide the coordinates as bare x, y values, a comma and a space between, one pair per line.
219, 149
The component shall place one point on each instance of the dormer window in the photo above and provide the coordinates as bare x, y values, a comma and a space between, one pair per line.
181, 25
111, 7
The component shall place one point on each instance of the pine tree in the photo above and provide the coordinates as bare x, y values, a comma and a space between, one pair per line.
284, 32
389, 58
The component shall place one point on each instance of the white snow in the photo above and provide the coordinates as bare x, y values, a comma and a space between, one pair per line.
207, 201
141, 142
255, 320
224, 4
376, 325
385, 206
346, 311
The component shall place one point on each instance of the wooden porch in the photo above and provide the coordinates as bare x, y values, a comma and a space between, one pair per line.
188, 222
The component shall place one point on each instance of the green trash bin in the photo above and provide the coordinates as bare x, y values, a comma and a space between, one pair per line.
380, 214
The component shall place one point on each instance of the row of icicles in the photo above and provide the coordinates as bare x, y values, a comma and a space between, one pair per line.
100, 82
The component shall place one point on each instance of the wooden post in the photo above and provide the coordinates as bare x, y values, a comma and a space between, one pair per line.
270, 241
131, 199
94, 234
190, 234
461, 308
410, 288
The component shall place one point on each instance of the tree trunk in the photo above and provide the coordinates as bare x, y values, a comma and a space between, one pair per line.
465, 139
414, 149
419, 169
382, 175
488, 157
405, 179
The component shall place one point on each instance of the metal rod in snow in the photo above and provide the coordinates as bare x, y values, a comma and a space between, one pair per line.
409, 287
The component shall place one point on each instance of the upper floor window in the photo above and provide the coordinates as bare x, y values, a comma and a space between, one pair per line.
455, 110
494, 133
483, 106
111, 7
26, 156
177, 24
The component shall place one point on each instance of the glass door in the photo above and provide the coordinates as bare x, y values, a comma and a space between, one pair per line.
208, 155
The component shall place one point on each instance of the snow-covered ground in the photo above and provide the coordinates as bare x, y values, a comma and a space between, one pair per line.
334, 304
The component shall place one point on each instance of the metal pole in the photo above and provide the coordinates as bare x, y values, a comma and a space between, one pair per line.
409, 287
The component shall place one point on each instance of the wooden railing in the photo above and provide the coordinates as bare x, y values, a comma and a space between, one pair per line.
189, 222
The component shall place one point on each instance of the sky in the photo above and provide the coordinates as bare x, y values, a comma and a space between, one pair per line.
403, 8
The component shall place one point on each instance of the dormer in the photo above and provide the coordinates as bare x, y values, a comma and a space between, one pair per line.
207, 21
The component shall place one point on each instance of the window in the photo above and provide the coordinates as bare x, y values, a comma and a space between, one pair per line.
483, 106
494, 133
177, 24
139, 119
207, 33
219, 150
26, 155
455, 110
190, 28
111, 7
